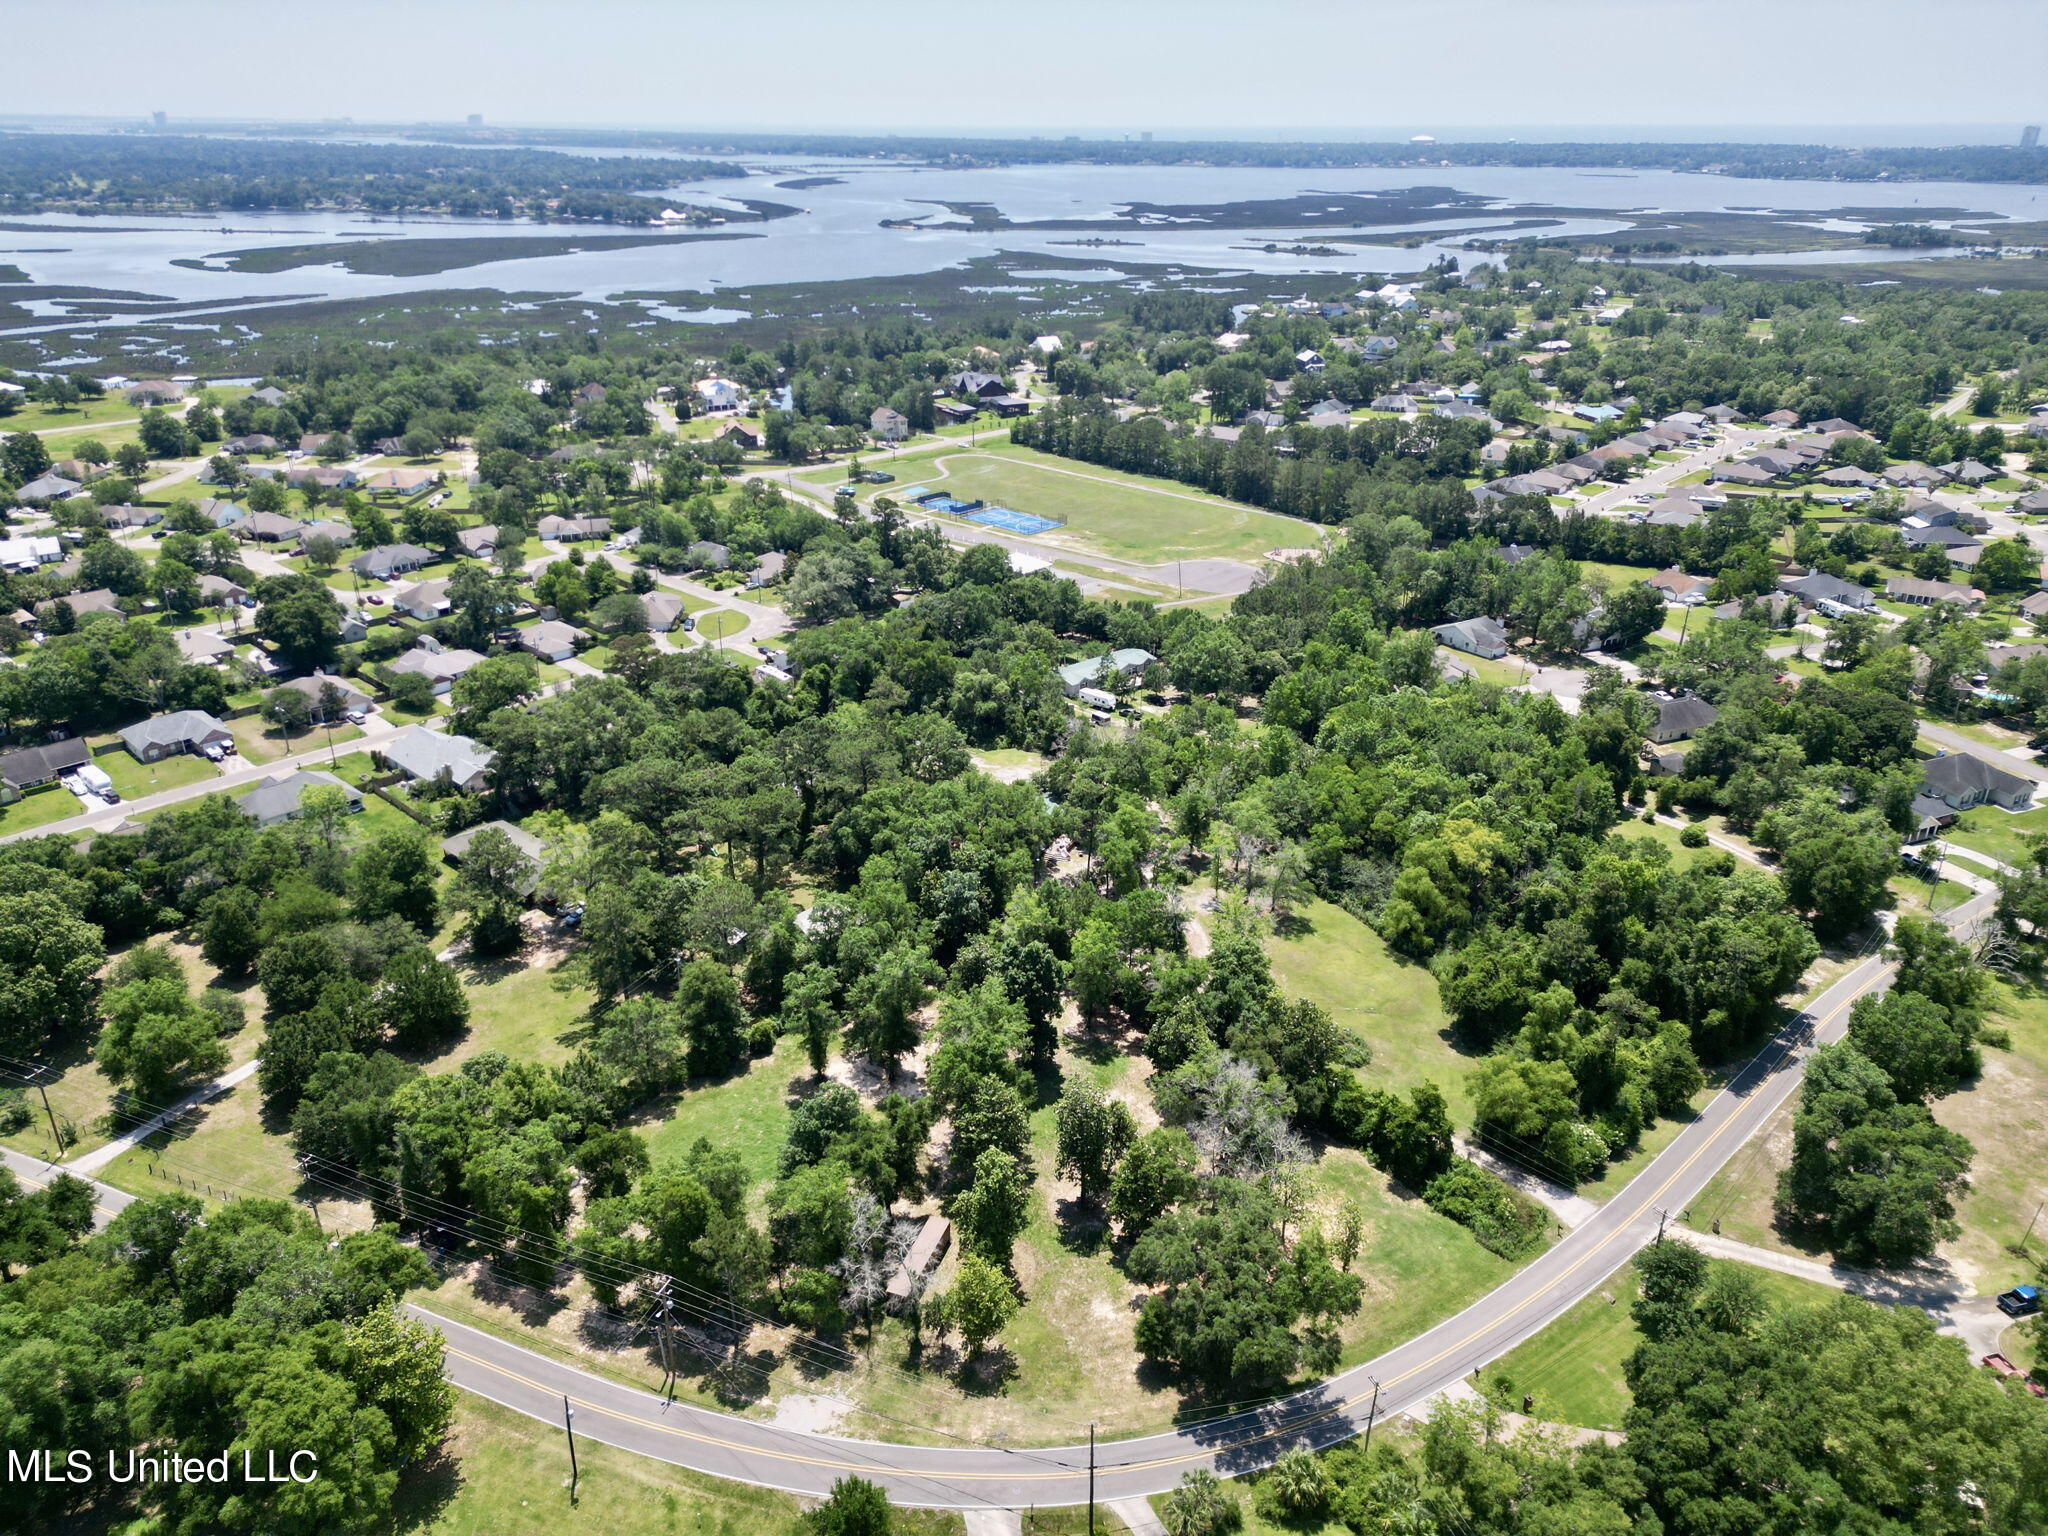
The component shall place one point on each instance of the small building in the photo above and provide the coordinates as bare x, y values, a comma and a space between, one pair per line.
933, 1238
162, 736
1008, 405
329, 477
153, 392
1847, 475
201, 648
1961, 780
768, 569
222, 593
708, 555
1925, 594
250, 442
404, 480
318, 683
530, 848
97, 600
2034, 606
1476, 637
419, 753
278, 799
550, 640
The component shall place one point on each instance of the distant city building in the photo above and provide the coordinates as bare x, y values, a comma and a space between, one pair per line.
476, 119
2030, 136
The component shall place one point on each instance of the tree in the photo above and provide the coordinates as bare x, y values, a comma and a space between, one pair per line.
1156, 1174
24, 457
857, 1507
807, 1013
490, 887
396, 1365
422, 998
232, 938
412, 692
2007, 565
288, 709
1836, 864
49, 957
1669, 1275
993, 1116
713, 1022
1203, 1505
157, 1042
979, 1306
885, 1000
397, 874
992, 1212
1094, 1133
1922, 1047
301, 618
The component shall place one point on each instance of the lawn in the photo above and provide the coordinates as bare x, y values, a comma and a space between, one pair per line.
1334, 960
523, 1010
1573, 1368
2001, 834
747, 1113
34, 417
38, 810
220, 1151
719, 623
133, 779
261, 742
1106, 512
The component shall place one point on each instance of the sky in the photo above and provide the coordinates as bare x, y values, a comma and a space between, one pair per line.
1904, 70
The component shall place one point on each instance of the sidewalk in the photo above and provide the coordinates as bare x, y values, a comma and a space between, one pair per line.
88, 1163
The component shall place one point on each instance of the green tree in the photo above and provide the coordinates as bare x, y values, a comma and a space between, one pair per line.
857, 1507
48, 959
422, 998
1094, 1133
232, 938
1156, 1174
978, 1307
992, 1211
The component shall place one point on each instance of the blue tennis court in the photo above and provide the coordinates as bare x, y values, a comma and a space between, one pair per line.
948, 504
1012, 522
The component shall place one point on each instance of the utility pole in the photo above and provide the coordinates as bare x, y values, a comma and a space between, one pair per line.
1371, 1413
1091, 1477
1661, 1215
57, 1136
2030, 1225
569, 1429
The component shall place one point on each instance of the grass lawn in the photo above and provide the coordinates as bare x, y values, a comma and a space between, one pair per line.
719, 623
133, 779
523, 1010
1488, 669
2001, 834
221, 1151
38, 810
1916, 896
1573, 1367
747, 1112
1615, 575
1334, 960
1107, 512
1662, 832
35, 417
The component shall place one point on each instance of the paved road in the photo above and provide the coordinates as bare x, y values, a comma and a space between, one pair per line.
2021, 763
1734, 443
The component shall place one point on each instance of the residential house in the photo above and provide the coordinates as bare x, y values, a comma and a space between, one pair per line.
1476, 637
1970, 472
440, 667
891, 426
44, 488
313, 442
1773, 608
1680, 716
707, 555
481, 542
1515, 554
768, 569
1961, 780
404, 480
27, 554
161, 736
1920, 477
26, 767
1678, 586
1008, 405
2031, 502
972, 384
251, 442
1047, 345
1674, 512
1398, 403
125, 516
267, 528
1308, 360
589, 394
153, 392
750, 439
98, 600
1919, 534
202, 648
339, 534
270, 394
1782, 419
2034, 606
329, 477
388, 560
278, 799
424, 600
1742, 474
550, 640
1128, 662
1834, 426
419, 753
1925, 594
1597, 413
1847, 475
715, 394
222, 593
1818, 587
554, 529
664, 610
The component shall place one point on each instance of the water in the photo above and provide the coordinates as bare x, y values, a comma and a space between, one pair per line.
838, 234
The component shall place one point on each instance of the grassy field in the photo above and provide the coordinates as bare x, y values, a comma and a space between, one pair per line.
1573, 1367
2000, 834
134, 779
34, 417
748, 1113
38, 810
526, 1011
719, 624
1334, 960
1107, 512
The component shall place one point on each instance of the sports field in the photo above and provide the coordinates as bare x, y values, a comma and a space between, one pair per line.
1108, 513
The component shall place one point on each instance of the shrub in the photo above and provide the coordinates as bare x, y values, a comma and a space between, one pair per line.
1693, 837
1505, 1222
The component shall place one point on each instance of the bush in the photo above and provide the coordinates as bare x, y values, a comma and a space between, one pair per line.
1505, 1222
761, 1039
1693, 837
15, 1114
229, 1012
1203, 1505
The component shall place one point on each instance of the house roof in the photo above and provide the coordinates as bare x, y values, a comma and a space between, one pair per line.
1484, 633
275, 799
352, 697
478, 539
32, 765
423, 754
1958, 773
1079, 674
1913, 588
549, 635
1685, 713
1819, 586
450, 663
180, 729
386, 558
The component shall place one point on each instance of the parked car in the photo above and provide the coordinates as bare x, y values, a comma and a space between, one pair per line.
355, 716
111, 796
375, 600
215, 751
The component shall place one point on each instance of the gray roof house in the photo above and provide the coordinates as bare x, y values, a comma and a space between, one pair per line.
1681, 715
768, 569
664, 610
1963, 779
419, 753
1476, 637
532, 849
1819, 587
30, 766
278, 799
48, 488
388, 560
352, 697
550, 640
479, 541
552, 529
439, 667
163, 736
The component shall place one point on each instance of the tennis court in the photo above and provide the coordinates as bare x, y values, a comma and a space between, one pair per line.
1012, 522
950, 504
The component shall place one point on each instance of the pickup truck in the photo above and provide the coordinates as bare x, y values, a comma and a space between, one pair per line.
2021, 1301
